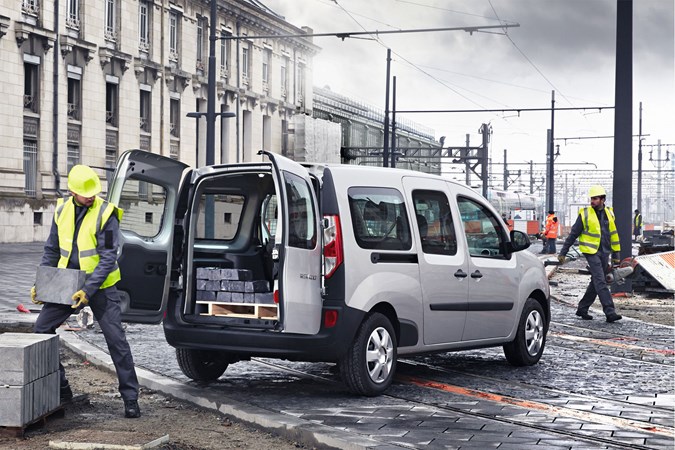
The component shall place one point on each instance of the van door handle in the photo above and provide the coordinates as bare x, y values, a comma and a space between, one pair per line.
460, 274
477, 274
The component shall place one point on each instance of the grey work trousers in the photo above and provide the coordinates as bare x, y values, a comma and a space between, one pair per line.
597, 264
105, 305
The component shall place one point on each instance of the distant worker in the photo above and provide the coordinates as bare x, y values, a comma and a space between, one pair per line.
84, 236
596, 229
551, 233
637, 225
545, 246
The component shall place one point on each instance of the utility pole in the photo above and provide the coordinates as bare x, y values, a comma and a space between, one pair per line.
549, 175
506, 173
531, 178
639, 174
393, 124
485, 130
623, 125
385, 150
467, 167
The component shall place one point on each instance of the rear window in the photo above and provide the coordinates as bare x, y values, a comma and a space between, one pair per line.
379, 218
226, 214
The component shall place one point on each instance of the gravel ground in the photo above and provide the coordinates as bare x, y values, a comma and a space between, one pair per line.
100, 419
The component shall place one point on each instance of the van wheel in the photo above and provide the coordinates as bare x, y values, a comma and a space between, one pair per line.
369, 365
201, 365
527, 347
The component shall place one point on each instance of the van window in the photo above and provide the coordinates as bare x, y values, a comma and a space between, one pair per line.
301, 214
143, 204
484, 236
434, 222
379, 218
226, 216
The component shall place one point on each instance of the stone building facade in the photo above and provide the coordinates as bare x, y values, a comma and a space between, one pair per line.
85, 80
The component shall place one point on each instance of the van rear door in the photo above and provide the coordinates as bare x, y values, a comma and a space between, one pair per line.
145, 186
298, 245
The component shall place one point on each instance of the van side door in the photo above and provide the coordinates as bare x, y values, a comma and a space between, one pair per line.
145, 186
298, 247
443, 264
494, 276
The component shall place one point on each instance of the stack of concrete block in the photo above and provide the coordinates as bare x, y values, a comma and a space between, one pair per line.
29, 377
231, 285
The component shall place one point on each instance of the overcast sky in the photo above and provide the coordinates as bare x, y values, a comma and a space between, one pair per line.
562, 45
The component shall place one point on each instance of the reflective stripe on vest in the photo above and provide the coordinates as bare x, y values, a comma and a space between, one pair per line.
589, 240
94, 219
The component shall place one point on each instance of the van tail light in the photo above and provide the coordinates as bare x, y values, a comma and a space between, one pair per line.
275, 296
332, 248
330, 317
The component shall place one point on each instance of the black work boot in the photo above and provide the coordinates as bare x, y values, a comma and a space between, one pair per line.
131, 409
584, 315
613, 317
66, 394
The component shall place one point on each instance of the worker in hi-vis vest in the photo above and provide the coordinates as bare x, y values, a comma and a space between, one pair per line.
637, 225
598, 239
84, 236
551, 233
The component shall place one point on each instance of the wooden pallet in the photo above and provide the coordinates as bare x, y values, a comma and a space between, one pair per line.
241, 310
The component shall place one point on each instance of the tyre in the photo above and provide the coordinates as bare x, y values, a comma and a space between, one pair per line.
369, 365
528, 345
201, 365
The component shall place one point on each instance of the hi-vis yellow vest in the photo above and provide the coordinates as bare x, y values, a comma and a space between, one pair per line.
589, 241
94, 220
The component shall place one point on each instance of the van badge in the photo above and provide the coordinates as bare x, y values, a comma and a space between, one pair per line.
306, 276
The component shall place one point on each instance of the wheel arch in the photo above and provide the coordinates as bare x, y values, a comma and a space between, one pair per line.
387, 310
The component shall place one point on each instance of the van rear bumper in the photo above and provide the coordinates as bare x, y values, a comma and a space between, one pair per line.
328, 345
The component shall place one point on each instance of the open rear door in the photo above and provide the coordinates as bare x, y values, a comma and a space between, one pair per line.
145, 186
299, 228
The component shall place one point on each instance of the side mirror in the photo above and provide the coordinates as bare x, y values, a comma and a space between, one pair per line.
519, 241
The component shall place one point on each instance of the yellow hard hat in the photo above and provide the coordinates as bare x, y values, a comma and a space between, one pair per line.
596, 191
83, 181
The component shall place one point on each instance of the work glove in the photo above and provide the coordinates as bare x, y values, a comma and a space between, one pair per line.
33, 296
561, 259
81, 298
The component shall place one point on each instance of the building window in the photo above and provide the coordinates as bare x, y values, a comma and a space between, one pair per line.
73, 14
30, 7
111, 104
143, 26
110, 20
31, 97
74, 98
30, 154
245, 57
301, 84
174, 36
110, 149
267, 56
145, 110
201, 22
73, 156
224, 54
284, 76
174, 117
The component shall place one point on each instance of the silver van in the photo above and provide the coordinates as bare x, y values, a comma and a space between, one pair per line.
337, 263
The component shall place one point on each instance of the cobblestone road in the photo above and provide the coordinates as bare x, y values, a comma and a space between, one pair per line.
598, 385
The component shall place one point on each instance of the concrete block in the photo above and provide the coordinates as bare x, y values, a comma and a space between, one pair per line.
236, 286
236, 274
257, 286
22, 405
212, 285
249, 297
223, 296
237, 297
206, 295
27, 356
54, 285
264, 297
